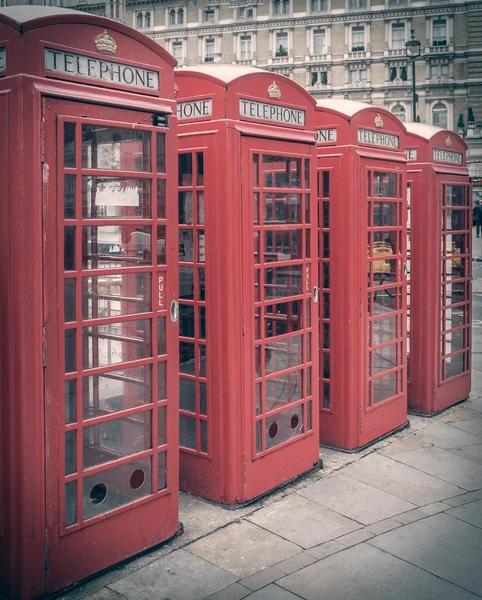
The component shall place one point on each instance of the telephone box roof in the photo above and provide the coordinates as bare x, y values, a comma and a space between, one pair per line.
226, 73
425, 131
347, 108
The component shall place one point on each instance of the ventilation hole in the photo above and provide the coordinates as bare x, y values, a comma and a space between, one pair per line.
273, 430
294, 421
137, 479
98, 493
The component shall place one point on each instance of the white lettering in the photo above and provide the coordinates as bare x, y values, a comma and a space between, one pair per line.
326, 136
160, 291
411, 154
271, 112
69, 63
194, 109
377, 138
446, 156
3, 59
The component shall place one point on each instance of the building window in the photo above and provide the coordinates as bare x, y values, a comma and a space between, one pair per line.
140, 21
439, 70
440, 115
319, 78
398, 36
281, 7
319, 40
400, 111
357, 3
3, 3
176, 49
391, 2
209, 15
209, 50
245, 47
176, 16
357, 75
281, 44
398, 73
180, 16
319, 5
245, 13
147, 19
358, 38
439, 32
172, 17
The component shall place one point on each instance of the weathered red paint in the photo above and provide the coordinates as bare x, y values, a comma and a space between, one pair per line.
39, 554
437, 159
232, 470
348, 418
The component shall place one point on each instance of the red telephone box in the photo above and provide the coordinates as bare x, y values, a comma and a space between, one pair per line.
440, 258
248, 277
89, 353
362, 231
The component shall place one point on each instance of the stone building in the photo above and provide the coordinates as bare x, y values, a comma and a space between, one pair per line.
334, 48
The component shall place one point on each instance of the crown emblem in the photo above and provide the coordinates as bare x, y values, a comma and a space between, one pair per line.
448, 141
378, 121
274, 91
105, 43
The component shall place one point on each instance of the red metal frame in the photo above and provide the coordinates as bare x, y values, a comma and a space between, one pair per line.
440, 269
361, 188
46, 545
237, 465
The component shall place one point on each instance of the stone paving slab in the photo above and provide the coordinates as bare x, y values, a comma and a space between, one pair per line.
232, 592
461, 412
477, 405
404, 444
294, 563
326, 549
178, 576
367, 573
355, 499
262, 578
446, 436
273, 592
472, 426
445, 465
401, 480
470, 513
445, 546
303, 521
470, 453
105, 594
243, 548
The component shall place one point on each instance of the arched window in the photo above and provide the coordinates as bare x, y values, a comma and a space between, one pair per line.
147, 18
399, 111
286, 7
180, 16
277, 7
440, 115
139, 20
172, 17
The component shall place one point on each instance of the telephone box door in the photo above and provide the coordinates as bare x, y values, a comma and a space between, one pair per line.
111, 355
383, 186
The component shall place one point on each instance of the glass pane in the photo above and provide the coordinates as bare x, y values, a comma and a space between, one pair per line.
187, 431
455, 340
283, 318
116, 487
202, 323
185, 207
115, 197
384, 330
259, 441
203, 409
69, 300
455, 292
70, 401
384, 387
283, 354
161, 471
161, 152
70, 362
116, 295
455, 220
69, 196
326, 184
202, 284
454, 317
385, 358
187, 394
281, 171
454, 365
202, 361
115, 343
256, 247
200, 208
69, 248
281, 282
282, 208
115, 246
70, 503
115, 149
201, 257
384, 184
200, 168
186, 283
256, 208
69, 144
116, 390
455, 268
307, 209
326, 395
204, 436
185, 169
161, 425
70, 437
186, 320
455, 195
385, 214
283, 389
161, 245
284, 426
186, 245
283, 245
161, 381
186, 358
455, 243
255, 170
161, 198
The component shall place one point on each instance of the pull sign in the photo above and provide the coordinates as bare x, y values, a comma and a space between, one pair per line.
161, 292
316, 293
307, 279
174, 311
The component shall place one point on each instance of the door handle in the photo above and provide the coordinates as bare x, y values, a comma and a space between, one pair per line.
174, 311
316, 293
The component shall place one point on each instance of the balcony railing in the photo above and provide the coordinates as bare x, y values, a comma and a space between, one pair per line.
398, 52
279, 60
357, 55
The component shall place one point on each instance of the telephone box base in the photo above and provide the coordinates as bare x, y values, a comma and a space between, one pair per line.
365, 446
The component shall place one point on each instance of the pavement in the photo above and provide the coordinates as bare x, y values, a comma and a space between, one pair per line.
400, 520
